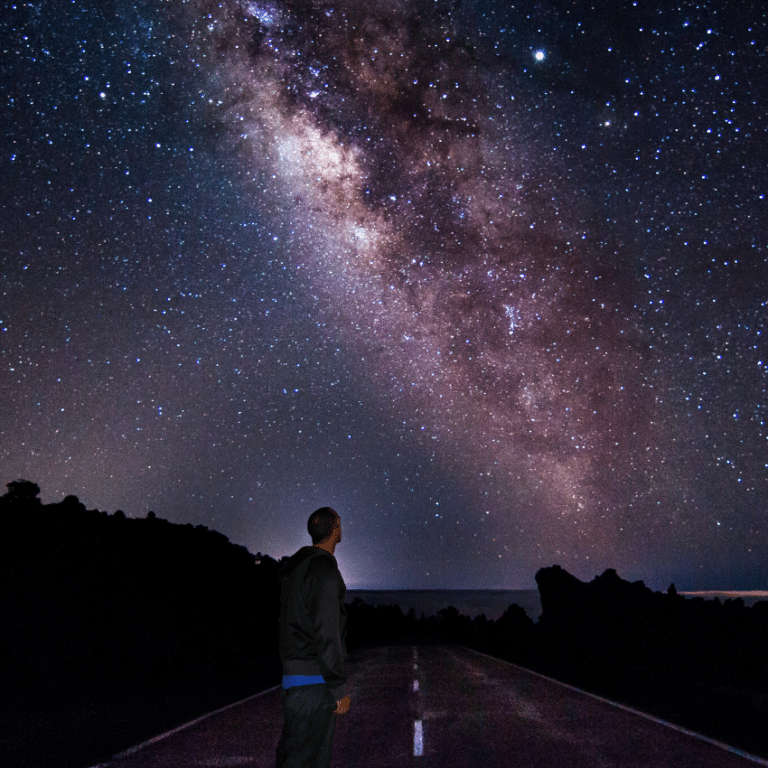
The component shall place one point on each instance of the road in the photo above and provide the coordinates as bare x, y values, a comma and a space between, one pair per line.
446, 707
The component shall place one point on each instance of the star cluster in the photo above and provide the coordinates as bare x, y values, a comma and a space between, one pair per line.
489, 280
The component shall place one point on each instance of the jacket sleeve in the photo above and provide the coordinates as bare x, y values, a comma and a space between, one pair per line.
324, 609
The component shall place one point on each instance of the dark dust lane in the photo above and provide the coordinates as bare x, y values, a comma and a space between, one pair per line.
449, 707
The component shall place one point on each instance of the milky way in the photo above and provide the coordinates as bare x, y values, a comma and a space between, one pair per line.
531, 310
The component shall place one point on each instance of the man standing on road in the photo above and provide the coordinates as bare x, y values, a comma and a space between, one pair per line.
313, 629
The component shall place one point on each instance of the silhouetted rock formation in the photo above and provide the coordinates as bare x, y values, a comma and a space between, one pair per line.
699, 663
620, 632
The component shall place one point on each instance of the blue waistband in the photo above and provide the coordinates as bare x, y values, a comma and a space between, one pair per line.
291, 681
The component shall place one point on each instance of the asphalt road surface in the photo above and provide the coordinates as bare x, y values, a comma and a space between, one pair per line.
445, 707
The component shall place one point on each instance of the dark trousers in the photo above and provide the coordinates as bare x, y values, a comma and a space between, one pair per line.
309, 723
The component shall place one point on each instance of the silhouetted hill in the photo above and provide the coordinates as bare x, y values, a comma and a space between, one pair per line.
123, 622
159, 597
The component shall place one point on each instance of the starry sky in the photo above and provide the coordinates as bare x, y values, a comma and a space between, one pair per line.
489, 278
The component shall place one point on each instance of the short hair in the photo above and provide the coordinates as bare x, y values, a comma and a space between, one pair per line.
321, 524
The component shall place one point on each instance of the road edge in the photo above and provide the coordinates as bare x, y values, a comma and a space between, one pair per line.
132, 750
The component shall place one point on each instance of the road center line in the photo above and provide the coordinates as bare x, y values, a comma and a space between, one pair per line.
418, 739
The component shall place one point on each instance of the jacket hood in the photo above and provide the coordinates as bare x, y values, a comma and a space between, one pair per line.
289, 567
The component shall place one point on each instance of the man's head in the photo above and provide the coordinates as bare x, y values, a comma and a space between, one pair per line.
324, 526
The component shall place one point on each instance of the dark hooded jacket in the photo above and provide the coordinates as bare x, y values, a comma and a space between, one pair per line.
313, 618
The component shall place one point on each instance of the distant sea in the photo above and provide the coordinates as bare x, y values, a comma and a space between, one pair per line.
470, 602
493, 602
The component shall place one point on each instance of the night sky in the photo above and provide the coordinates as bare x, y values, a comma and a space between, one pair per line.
490, 279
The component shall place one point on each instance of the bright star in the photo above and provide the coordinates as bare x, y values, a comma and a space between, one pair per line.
539, 55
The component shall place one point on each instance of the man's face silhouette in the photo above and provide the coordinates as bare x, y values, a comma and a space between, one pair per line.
330, 543
335, 537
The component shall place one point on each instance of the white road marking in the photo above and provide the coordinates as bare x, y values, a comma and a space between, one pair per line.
418, 739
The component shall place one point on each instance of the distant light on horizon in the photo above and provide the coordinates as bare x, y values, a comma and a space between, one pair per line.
733, 594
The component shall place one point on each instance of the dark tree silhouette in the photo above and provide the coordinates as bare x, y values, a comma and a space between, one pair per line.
21, 492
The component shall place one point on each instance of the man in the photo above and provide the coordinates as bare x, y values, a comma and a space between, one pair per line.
313, 629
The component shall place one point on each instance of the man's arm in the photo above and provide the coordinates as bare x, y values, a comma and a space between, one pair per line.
324, 614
